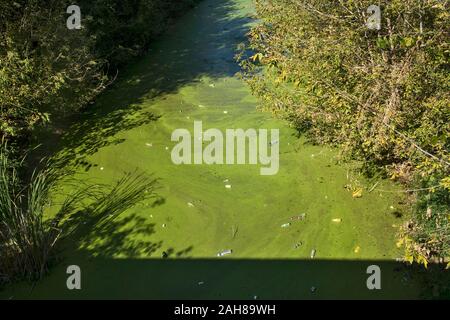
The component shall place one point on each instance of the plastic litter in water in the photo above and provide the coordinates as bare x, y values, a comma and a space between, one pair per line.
337, 220
313, 253
286, 225
298, 245
299, 217
228, 186
224, 253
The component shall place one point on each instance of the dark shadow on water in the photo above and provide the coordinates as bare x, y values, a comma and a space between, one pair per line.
94, 214
104, 278
202, 43
121, 257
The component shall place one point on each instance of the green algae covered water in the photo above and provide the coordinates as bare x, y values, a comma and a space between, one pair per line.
286, 233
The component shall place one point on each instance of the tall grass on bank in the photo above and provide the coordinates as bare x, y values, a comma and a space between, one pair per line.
28, 239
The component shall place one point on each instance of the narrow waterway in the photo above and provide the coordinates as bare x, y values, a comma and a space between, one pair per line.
272, 224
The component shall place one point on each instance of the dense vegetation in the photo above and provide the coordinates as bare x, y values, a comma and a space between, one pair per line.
381, 95
47, 70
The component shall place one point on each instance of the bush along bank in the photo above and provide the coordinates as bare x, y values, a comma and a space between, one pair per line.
380, 93
48, 70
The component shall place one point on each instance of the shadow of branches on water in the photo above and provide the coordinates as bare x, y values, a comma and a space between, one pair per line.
98, 226
87, 136
203, 43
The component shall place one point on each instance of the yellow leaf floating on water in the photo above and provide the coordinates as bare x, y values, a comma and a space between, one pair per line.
357, 193
357, 249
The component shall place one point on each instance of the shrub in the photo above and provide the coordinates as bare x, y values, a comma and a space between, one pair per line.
382, 96
46, 69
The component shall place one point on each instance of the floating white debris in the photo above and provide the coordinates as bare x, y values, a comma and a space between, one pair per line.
201, 106
226, 180
228, 186
226, 112
286, 225
313, 253
224, 253
201, 283
212, 85
102, 168
337, 220
167, 148
149, 144
255, 297
191, 205
164, 225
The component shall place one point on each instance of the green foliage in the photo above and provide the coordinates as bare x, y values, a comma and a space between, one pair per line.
47, 69
382, 96
124, 29
28, 239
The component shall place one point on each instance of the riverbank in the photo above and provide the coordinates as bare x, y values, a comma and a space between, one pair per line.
190, 75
